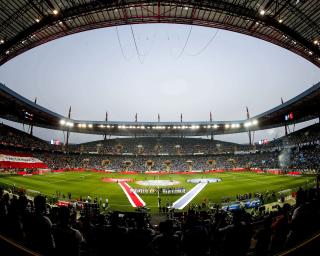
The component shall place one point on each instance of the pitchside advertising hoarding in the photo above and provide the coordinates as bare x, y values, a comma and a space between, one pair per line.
20, 161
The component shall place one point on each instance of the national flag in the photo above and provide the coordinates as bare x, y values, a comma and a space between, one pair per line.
20, 160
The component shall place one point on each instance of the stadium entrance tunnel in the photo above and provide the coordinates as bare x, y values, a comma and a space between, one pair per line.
204, 180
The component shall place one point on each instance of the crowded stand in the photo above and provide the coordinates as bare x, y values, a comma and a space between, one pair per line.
201, 230
156, 146
121, 154
83, 228
13, 137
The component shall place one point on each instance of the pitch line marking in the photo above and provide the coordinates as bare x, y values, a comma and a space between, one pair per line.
187, 198
134, 199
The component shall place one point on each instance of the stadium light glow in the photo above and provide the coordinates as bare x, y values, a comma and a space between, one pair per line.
227, 126
310, 52
37, 20
108, 126
280, 20
62, 122
255, 122
55, 12
1, 41
101, 126
247, 124
69, 124
215, 126
262, 12
235, 125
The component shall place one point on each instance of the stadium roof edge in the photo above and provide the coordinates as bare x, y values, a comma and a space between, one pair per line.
293, 25
14, 107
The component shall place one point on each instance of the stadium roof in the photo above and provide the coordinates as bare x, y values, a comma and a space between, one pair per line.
303, 107
291, 24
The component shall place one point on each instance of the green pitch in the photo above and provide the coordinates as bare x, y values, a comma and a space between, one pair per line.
90, 183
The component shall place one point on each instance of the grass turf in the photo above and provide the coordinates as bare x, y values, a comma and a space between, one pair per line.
90, 183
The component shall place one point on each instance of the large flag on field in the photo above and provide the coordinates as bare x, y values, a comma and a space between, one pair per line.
20, 160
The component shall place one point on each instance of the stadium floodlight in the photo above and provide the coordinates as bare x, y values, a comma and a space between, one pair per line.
215, 126
108, 126
227, 126
69, 124
62, 122
101, 126
255, 122
316, 42
247, 124
262, 12
280, 20
310, 52
7, 52
235, 125
37, 20
142, 127
1, 41
55, 12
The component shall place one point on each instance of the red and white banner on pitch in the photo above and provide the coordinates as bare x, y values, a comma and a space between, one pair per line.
16, 160
132, 196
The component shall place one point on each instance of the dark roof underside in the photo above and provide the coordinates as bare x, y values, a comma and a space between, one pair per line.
291, 24
14, 107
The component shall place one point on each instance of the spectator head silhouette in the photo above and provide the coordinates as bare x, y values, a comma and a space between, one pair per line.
40, 204
166, 227
64, 215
